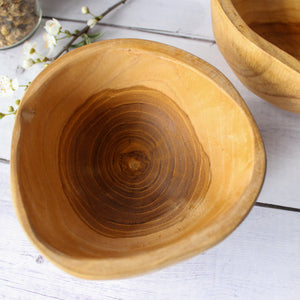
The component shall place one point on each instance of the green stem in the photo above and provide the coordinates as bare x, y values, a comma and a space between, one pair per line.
92, 15
41, 56
64, 37
8, 114
110, 9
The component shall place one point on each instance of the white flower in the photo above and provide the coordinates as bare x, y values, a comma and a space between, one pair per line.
85, 10
50, 42
92, 22
27, 63
7, 86
53, 27
29, 49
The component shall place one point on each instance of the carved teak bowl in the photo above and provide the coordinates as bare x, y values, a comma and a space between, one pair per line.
130, 155
260, 39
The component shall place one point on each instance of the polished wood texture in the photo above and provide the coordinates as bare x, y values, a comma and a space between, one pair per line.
129, 155
260, 40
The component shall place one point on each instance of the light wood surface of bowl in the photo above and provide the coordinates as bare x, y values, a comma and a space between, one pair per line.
260, 39
129, 155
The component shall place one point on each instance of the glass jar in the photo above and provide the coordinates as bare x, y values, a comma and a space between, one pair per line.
18, 21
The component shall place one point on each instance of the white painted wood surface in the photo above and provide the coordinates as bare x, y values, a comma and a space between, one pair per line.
260, 260
188, 18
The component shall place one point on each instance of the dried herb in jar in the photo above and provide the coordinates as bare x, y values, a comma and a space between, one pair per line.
18, 18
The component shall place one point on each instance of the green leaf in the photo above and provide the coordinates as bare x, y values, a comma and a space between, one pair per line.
82, 43
95, 35
68, 33
86, 39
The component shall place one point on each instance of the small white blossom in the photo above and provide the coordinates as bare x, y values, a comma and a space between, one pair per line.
7, 86
27, 63
50, 42
29, 49
53, 27
85, 10
92, 22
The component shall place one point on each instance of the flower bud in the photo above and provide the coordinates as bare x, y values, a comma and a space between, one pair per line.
10, 109
27, 63
85, 10
92, 22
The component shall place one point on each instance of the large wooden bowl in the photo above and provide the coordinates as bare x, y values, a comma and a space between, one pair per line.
129, 155
260, 39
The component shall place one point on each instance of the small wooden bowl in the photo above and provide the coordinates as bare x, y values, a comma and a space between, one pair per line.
260, 39
130, 155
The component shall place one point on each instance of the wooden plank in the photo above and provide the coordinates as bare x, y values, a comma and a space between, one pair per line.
260, 260
189, 18
280, 129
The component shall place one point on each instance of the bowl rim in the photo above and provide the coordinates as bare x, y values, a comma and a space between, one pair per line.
264, 45
177, 251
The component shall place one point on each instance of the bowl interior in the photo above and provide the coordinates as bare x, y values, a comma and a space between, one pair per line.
277, 21
131, 162
129, 146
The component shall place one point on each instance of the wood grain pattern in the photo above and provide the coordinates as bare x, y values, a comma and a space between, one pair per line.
139, 118
144, 167
260, 41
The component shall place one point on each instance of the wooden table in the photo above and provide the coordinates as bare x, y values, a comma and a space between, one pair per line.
260, 260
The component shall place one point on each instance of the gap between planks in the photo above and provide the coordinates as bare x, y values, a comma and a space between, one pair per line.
4, 161
147, 30
275, 206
